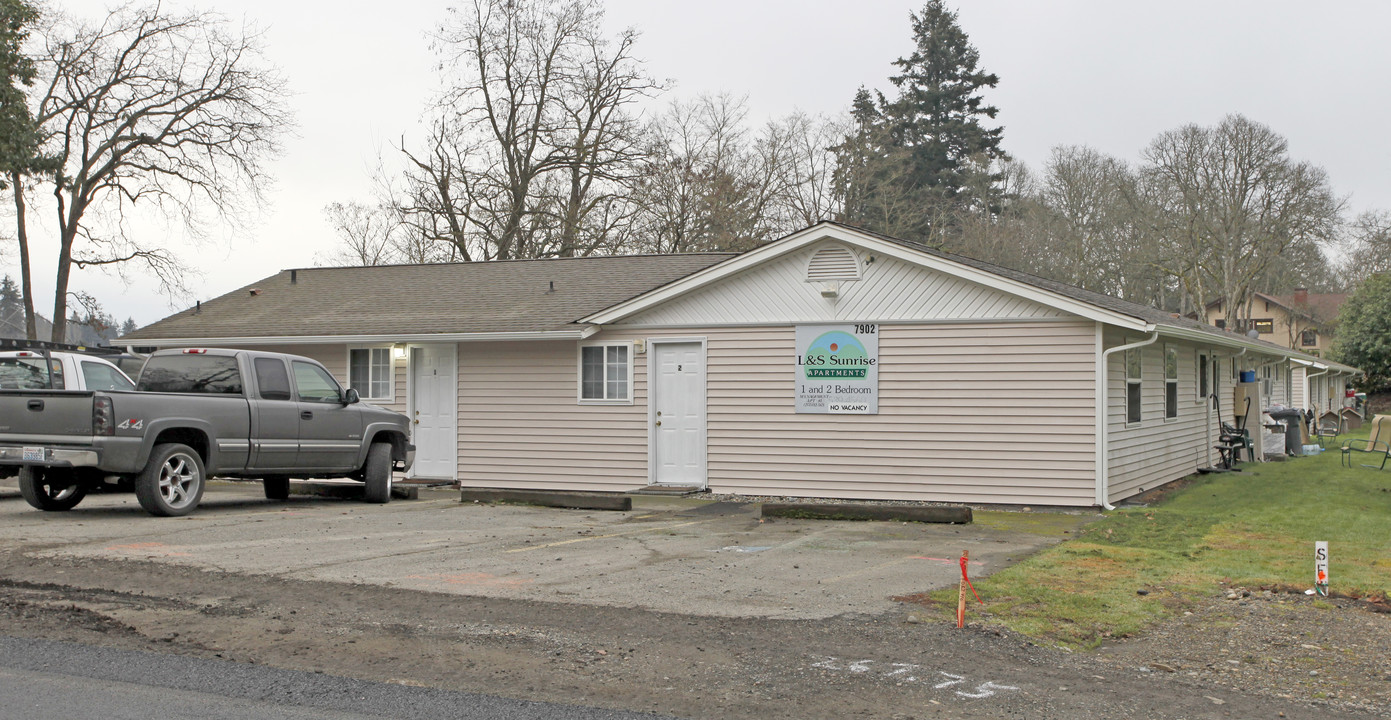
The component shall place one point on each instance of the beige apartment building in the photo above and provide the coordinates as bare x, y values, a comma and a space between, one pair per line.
832, 362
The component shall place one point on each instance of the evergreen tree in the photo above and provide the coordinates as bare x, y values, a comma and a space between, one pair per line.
129, 326
11, 305
918, 163
19, 136
1364, 332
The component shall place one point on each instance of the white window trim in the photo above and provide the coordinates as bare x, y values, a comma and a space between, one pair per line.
1177, 374
579, 373
1125, 373
391, 372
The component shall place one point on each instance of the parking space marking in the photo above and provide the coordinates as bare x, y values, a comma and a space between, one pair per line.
601, 537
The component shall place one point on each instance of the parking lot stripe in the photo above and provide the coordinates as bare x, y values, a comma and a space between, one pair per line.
601, 537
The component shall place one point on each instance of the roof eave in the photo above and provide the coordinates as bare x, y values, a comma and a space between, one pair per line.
414, 338
824, 231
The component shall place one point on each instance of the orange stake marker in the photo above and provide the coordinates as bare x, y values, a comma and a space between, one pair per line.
961, 591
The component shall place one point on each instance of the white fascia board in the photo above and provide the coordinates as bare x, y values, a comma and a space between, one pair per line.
1236, 341
419, 338
817, 233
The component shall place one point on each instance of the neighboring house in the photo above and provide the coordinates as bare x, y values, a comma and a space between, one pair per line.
832, 362
1303, 321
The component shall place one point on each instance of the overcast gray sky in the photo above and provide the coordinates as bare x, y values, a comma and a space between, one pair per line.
1103, 73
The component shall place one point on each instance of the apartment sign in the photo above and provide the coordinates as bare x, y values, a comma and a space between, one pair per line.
838, 369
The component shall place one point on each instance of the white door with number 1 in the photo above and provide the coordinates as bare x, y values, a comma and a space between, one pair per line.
678, 413
434, 405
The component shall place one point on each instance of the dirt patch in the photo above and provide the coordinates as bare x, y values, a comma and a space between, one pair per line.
892, 665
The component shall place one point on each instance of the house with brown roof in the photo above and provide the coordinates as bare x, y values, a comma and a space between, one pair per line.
832, 362
1302, 321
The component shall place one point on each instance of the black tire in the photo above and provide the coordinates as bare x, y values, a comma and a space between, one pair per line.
376, 472
277, 488
52, 489
172, 482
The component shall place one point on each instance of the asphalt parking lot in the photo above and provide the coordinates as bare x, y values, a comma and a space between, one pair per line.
684, 555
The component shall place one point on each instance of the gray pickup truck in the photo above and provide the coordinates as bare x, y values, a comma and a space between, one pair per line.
197, 413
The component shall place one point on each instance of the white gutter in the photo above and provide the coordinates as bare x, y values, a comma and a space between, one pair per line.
576, 334
1103, 468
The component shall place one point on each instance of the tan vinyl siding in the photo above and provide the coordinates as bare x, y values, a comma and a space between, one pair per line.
889, 290
521, 426
974, 412
1157, 451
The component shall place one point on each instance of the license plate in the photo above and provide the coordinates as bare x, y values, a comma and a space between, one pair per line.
34, 454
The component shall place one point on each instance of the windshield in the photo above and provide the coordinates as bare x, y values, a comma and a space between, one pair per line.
26, 373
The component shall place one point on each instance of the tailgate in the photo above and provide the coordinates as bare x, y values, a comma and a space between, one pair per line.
45, 416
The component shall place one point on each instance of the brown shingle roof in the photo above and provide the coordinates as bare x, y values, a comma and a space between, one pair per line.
1321, 307
507, 296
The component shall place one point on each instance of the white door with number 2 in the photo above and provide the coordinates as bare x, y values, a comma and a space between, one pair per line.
678, 413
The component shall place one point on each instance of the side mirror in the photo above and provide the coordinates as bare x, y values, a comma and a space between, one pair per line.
350, 396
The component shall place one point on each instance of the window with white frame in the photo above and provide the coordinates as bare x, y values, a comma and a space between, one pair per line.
606, 373
1132, 386
369, 373
1170, 382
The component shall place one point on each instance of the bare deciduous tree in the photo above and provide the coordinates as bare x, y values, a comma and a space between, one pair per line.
366, 235
1227, 201
707, 184
537, 141
1367, 247
151, 109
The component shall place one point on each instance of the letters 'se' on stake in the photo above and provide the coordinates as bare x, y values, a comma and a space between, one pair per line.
1321, 567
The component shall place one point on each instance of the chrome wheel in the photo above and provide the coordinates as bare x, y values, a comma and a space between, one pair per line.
172, 481
179, 480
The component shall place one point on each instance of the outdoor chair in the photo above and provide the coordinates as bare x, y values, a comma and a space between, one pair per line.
1230, 444
1377, 445
1327, 429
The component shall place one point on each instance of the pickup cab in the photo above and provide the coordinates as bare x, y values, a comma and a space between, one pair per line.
196, 413
24, 370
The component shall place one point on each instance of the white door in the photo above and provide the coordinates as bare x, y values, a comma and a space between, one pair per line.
434, 409
678, 413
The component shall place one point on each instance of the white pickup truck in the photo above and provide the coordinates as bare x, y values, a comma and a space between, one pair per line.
24, 370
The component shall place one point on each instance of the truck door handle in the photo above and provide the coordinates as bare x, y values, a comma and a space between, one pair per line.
36, 405
306, 415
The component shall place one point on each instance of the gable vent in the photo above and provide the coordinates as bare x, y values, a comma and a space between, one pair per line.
833, 263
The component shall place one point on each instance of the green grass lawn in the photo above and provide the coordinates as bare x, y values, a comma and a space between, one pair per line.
1255, 529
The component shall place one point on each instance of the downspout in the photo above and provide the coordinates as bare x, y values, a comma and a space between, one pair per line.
1103, 412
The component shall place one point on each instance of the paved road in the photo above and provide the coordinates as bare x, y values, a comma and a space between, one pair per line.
41, 679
